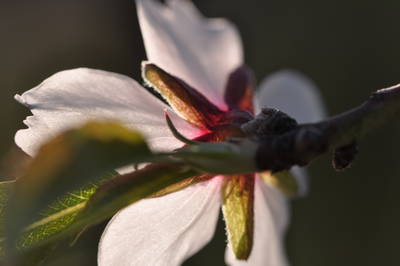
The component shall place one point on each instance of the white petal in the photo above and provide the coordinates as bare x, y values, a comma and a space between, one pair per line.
162, 231
70, 98
202, 52
271, 219
301, 176
296, 95
292, 93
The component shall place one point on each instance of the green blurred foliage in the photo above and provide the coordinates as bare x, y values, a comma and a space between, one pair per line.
349, 48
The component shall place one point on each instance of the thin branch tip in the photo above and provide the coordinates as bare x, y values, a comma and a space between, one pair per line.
339, 134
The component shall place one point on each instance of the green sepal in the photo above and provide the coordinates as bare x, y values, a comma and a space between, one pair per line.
238, 210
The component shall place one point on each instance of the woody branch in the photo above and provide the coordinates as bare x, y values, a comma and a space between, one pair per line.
303, 143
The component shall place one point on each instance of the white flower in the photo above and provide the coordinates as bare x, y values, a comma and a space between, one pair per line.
203, 53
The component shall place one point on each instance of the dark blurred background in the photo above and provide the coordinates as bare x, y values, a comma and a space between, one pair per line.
349, 48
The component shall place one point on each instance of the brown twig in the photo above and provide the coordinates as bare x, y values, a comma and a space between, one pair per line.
300, 144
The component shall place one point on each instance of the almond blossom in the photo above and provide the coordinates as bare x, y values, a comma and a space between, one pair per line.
197, 65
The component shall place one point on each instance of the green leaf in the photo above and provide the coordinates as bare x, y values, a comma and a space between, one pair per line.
33, 257
54, 219
5, 189
34, 245
91, 205
238, 201
126, 189
68, 162
59, 215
